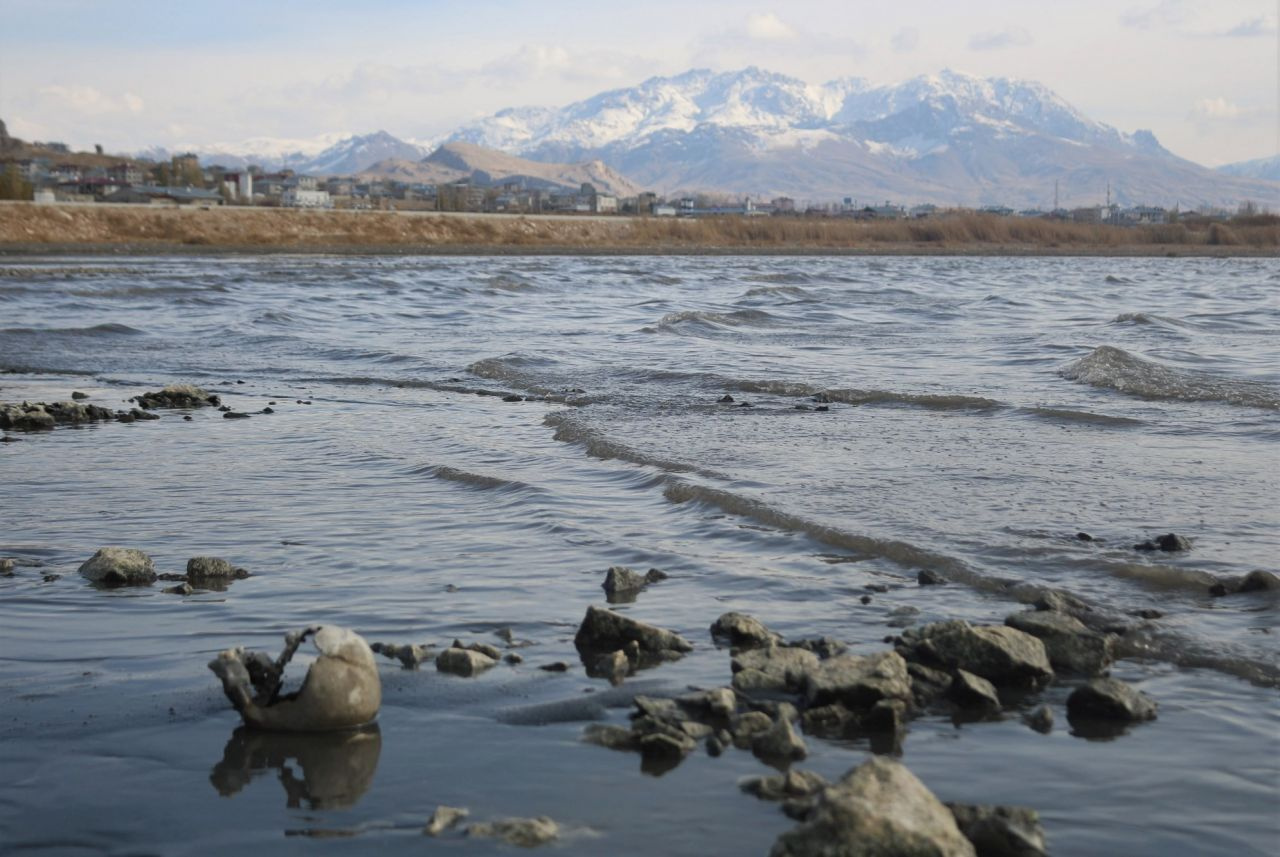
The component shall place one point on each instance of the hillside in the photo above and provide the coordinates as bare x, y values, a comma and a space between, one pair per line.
459, 160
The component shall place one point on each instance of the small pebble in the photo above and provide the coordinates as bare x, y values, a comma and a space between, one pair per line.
557, 667
187, 418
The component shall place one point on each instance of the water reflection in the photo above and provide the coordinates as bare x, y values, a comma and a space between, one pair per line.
337, 768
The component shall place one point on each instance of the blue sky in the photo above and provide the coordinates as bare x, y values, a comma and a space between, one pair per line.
1202, 75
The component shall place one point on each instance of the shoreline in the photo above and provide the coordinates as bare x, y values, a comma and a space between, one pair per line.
71, 230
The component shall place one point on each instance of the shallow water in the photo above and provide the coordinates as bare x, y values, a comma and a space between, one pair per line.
982, 411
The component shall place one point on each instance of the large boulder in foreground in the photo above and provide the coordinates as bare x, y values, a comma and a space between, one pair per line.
116, 566
341, 690
1003, 656
603, 631
879, 809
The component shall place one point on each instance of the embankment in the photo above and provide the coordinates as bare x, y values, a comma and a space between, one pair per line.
26, 228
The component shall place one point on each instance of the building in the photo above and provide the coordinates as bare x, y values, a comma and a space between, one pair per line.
300, 197
239, 186
125, 173
159, 195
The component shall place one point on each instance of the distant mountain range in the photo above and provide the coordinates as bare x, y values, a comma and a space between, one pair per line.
1262, 168
948, 139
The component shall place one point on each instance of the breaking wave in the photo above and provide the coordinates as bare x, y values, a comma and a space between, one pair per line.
705, 318
1113, 368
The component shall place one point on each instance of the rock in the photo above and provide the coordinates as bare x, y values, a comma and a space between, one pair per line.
858, 681
510, 397
213, 568
180, 589
1000, 831
341, 689
1259, 581
1060, 601
483, 648
603, 631
747, 726
718, 704
792, 784
1070, 645
665, 745
512, 658
1169, 542
622, 583
772, 669
177, 396
743, 631
119, 566
974, 693
408, 655
878, 809
77, 395
823, 647
726, 399
903, 617
1110, 699
1041, 719
463, 662
929, 577
443, 818
779, 744
555, 667
614, 666
927, 684
25, 417
235, 415
6, 566
877, 587
1146, 613
1000, 654
865, 599
1084, 537
612, 737
525, 832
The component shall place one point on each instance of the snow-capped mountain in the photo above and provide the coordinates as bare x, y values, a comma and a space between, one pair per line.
949, 138
356, 154
1260, 168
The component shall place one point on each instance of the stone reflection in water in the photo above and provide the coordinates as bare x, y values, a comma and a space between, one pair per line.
336, 768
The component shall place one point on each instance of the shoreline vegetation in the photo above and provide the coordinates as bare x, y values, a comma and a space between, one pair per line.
31, 228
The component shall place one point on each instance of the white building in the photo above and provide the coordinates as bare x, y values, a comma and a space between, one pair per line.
294, 197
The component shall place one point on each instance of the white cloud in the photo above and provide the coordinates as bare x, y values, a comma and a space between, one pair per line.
88, 101
1250, 28
768, 27
1166, 13
905, 40
1215, 109
994, 40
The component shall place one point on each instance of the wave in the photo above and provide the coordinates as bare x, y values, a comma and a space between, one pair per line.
778, 291
568, 430
474, 480
929, 401
1147, 318
1065, 415
509, 283
96, 330
706, 318
1113, 368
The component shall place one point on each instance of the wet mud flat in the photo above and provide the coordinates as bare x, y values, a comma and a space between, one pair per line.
117, 739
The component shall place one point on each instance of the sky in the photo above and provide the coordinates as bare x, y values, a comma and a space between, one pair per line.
1203, 76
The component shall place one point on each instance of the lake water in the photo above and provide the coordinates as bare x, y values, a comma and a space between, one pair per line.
982, 411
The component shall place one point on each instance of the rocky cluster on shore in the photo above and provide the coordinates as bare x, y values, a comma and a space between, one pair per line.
42, 416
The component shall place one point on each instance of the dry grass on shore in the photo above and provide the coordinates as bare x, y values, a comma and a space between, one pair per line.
150, 228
